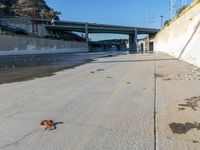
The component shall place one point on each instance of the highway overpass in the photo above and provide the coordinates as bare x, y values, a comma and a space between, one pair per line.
88, 28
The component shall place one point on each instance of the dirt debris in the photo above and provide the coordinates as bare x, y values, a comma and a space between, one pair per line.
192, 103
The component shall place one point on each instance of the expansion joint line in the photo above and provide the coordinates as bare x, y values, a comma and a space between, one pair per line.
155, 102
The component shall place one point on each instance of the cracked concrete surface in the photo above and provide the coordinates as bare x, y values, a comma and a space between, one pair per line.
101, 113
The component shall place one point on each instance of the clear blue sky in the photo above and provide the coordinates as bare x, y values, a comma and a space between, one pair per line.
119, 12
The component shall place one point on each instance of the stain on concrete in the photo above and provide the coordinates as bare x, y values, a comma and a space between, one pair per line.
192, 103
161, 66
169, 138
158, 75
187, 77
99, 70
167, 79
181, 109
180, 128
109, 77
128, 82
196, 141
92, 72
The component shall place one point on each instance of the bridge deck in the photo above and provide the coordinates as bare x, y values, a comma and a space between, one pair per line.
95, 28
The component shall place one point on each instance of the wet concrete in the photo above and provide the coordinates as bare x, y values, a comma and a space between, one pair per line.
98, 113
101, 113
180, 128
26, 67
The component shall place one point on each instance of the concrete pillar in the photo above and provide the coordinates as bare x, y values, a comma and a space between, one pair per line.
86, 33
106, 47
33, 28
133, 42
147, 46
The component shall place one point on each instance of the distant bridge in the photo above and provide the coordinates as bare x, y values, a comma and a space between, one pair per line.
87, 28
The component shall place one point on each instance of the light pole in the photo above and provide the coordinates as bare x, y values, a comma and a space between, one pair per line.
161, 19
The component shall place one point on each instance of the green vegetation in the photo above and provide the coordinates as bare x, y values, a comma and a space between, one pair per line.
180, 10
167, 22
49, 14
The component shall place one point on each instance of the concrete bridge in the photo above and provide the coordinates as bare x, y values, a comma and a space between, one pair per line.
88, 28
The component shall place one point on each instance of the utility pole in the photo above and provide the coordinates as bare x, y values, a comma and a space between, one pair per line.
184, 3
149, 19
172, 8
161, 19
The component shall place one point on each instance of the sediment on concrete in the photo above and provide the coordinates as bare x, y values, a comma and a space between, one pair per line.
13, 44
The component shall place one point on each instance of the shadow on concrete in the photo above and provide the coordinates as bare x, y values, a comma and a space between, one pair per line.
57, 123
138, 60
190, 39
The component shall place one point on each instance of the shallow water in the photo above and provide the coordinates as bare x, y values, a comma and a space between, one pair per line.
25, 67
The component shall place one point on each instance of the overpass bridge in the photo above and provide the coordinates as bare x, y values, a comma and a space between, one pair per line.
88, 28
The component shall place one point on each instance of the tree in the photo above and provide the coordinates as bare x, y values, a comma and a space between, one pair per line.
49, 14
43, 14
180, 10
53, 14
167, 22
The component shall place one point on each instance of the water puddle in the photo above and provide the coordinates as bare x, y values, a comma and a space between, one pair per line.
27, 67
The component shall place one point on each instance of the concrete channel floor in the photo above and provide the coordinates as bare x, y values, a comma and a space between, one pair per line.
107, 104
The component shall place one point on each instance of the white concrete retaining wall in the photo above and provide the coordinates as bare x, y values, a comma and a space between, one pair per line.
30, 45
182, 37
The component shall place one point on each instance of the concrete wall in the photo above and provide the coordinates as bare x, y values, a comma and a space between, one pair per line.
26, 24
182, 37
146, 45
10, 44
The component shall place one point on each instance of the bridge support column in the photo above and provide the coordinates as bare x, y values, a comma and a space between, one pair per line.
147, 47
133, 42
86, 33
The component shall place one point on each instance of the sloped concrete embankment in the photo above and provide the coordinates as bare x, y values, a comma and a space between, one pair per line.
182, 37
10, 45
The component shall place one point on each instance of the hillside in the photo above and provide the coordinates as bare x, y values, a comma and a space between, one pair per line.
36, 8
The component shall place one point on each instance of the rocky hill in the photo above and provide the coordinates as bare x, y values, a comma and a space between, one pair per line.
33, 8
